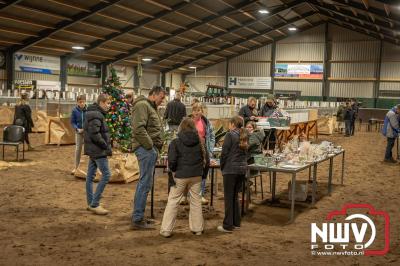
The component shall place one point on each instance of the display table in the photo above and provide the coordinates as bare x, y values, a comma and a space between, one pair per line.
6, 115
294, 171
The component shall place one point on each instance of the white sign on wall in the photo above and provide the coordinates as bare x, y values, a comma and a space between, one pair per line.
27, 62
259, 83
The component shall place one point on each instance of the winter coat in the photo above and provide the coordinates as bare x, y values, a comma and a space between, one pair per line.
175, 112
146, 125
233, 159
267, 110
348, 113
185, 156
97, 138
23, 117
255, 142
340, 113
391, 127
78, 117
246, 112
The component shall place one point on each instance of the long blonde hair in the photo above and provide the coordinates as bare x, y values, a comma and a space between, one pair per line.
23, 100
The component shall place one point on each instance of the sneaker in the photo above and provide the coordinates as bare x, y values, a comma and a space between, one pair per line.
73, 171
197, 233
236, 228
99, 210
184, 201
204, 201
165, 234
141, 225
223, 230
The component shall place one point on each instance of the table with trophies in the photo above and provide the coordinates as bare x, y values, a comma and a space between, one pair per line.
294, 160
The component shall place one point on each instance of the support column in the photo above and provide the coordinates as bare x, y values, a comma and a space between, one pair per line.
226, 72
10, 66
377, 82
136, 80
272, 69
163, 79
327, 68
63, 74
104, 74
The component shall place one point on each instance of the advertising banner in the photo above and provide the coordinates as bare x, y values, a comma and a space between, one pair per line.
27, 62
83, 68
260, 83
299, 71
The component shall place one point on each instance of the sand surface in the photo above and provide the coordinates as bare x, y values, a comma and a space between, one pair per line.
43, 217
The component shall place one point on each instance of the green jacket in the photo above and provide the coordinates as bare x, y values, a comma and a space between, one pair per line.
256, 142
146, 125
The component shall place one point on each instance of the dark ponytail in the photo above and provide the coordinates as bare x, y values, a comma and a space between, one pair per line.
237, 121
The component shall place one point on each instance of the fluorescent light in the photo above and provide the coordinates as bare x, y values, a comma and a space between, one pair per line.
192, 67
77, 47
292, 28
147, 59
263, 11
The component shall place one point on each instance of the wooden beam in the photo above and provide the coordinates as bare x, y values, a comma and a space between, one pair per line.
134, 11
158, 4
365, 2
387, 9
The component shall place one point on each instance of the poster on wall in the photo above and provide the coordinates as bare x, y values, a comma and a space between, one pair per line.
27, 62
299, 71
259, 83
25, 85
83, 68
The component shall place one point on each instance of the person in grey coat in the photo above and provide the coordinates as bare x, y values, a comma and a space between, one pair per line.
391, 129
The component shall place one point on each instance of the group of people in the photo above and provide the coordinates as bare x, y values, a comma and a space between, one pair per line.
347, 115
188, 157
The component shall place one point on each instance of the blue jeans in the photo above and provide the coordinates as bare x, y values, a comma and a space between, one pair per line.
389, 147
147, 162
101, 163
347, 124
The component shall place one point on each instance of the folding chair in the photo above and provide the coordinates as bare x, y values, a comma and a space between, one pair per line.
14, 136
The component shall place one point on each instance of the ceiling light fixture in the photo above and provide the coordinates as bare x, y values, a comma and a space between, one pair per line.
147, 59
77, 47
263, 11
292, 28
192, 67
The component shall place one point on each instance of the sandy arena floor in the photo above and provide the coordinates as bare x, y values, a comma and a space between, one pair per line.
43, 220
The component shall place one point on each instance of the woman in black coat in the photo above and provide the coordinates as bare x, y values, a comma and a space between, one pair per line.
23, 117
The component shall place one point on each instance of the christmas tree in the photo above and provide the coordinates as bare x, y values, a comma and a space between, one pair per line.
118, 117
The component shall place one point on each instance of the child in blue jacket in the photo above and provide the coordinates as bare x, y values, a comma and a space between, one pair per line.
77, 119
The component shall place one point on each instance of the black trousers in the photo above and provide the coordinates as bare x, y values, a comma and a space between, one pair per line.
27, 137
232, 185
353, 126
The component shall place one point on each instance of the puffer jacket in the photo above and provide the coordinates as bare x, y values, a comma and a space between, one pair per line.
185, 156
23, 117
146, 125
233, 159
78, 117
97, 138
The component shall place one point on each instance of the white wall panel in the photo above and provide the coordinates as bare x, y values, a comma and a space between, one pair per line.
390, 70
358, 50
390, 52
260, 54
351, 89
307, 88
173, 80
35, 76
340, 34
215, 70
300, 52
355, 70
315, 34
150, 79
249, 69
83, 80
389, 86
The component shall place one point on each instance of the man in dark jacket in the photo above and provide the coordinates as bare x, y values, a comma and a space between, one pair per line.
354, 106
269, 108
97, 147
249, 111
348, 118
77, 119
146, 142
175, 112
